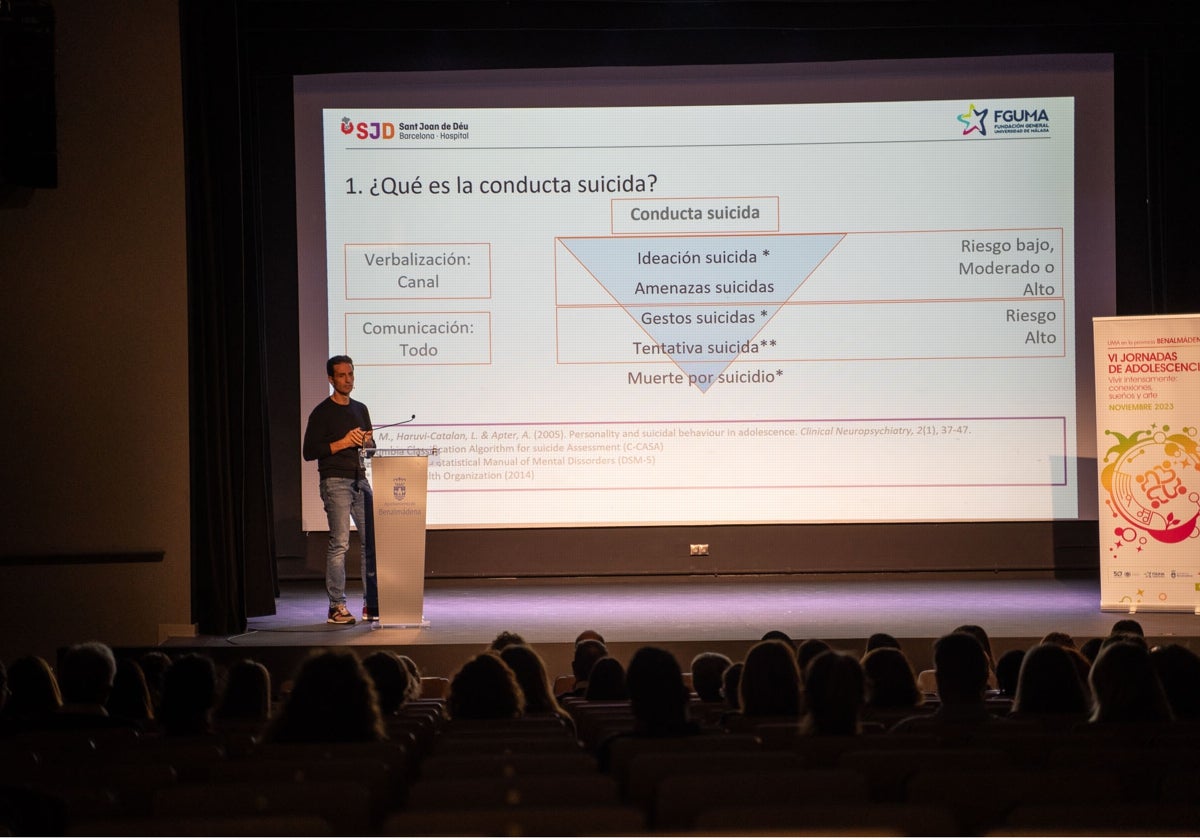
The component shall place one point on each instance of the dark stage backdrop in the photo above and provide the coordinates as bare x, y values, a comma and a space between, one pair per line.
1155, 179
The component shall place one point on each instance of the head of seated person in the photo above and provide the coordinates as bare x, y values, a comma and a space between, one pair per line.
606, 683
332, 701
961, 668
707, 669
505, 638
770, 682
189, 694
881, 640
834, 694
890, 682
393, 681
1008, 671
1049, 684
657, 694
85, 674
485, 688
33, 691
807, 651
530, 670
1178, 670
1125, 687
731, 685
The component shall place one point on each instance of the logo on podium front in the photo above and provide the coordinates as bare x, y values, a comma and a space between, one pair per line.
399, 488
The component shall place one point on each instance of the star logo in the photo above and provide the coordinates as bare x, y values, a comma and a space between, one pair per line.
972, 121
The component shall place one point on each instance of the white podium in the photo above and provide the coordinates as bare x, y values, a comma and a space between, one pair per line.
399, 484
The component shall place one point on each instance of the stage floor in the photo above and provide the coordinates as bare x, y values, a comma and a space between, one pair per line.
690, 614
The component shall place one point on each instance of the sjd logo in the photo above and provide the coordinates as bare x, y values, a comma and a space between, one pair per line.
369, 130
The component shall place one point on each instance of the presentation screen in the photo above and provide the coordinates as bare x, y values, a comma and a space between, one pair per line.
744, 295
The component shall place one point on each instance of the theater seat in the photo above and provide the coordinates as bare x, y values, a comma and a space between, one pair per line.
682, 798
582, 821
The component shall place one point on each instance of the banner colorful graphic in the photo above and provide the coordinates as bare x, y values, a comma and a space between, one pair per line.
1148, 457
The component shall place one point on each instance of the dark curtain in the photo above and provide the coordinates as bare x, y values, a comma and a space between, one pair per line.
232, 533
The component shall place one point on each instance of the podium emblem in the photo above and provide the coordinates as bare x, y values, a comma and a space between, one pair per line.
399, 488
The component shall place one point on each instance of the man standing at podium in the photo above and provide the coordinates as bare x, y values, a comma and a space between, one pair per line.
338, 429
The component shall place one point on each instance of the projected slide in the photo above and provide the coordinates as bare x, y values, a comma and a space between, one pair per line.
726, 314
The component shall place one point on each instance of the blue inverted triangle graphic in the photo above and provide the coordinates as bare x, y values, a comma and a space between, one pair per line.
702, 298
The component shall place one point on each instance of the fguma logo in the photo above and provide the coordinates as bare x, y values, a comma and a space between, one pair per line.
1027, 120
368, 130
973, 121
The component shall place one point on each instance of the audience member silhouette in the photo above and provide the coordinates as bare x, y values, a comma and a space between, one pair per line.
506, 638
707, 669
658, 698
587, 653
1124, 638
1125, 688
332, 701
834, 694
657, 694
882, 640
33, 693
485, 688
86, 672
1083, 667
189, 693
770, 683
1091, 649
779, 636
961, 671
1059, 638
807, 651
85, 676
391, 680
589, 635
1049, 690
981, 636
1178, 670
129, 699
337, 698
414, 678
890, 687
246, 697
606, 683
154, 665
1008, 672
530, 670
1127, 625
731, 685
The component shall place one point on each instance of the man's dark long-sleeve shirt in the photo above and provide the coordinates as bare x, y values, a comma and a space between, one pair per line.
330, 422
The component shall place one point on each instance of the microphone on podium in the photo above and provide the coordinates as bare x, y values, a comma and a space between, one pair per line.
434, 451
391, 425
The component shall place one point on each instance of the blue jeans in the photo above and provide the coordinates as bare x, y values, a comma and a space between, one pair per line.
345, 498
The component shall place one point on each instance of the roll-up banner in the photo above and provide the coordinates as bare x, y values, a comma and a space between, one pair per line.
1148, 457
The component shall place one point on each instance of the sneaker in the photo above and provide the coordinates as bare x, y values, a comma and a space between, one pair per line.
370, 614
338, 614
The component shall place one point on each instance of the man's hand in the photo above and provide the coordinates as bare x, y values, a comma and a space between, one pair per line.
352, 438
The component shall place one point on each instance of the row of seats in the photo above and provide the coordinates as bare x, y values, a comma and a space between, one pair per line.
533, 776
